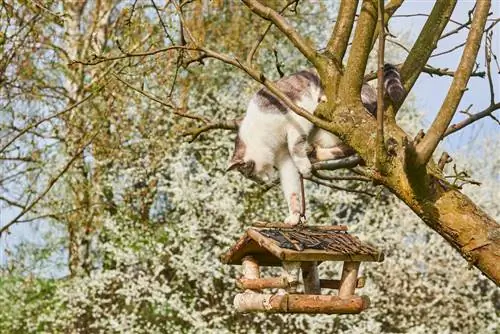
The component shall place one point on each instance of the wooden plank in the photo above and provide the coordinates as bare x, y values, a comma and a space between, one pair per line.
271, 245
295, 303
325, 255
281, 283
261, 224
335, 283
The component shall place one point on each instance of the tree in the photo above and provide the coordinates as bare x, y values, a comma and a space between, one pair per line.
406, 168
149, 212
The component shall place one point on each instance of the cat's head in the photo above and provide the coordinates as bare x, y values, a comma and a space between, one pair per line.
247, 165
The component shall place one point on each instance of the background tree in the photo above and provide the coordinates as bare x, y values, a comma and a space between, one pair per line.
96, 97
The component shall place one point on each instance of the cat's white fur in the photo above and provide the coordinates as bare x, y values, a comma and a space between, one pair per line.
275, 139
272, 136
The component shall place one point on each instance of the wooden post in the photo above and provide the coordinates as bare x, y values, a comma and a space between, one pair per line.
310, 277
251, 270
349, 278
291, 271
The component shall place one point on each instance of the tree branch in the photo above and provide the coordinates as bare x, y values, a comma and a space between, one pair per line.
348, 162
423, 47
49, 186
360, 50
471, 119
339, 39
225, 125
380, 151
261, 38
458, 86
334, 186
389, 10
269, 14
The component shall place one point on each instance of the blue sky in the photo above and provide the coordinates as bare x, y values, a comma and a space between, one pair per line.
430, 91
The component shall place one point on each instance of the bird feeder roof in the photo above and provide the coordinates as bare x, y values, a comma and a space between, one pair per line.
272, 245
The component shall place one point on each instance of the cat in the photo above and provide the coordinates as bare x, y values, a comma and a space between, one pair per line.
272, 136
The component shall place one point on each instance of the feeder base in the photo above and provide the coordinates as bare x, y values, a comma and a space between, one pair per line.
299, 303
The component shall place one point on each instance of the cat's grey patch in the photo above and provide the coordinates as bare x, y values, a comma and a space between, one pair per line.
238, 154
369, 98
293, 86
300, 146
392, 83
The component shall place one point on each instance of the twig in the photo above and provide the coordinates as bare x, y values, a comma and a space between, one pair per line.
472, 118
225, 125
28, 128
324, 176
333, 186
257, 43
51, 183
269, 14
448, 51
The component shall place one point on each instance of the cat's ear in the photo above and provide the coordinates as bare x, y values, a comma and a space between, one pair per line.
238, 154
234, 163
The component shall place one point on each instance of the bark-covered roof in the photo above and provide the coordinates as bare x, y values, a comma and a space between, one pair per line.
272, 245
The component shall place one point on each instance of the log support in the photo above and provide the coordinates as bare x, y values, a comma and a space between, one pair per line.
291, 303
291, 272
251, 269
310, 277
349, 278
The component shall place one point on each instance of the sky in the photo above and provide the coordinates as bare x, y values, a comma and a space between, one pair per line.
428, 94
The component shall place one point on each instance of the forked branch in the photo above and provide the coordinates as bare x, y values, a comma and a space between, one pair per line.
458, 86
423, 47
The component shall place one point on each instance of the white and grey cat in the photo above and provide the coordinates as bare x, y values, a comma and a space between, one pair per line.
272, 136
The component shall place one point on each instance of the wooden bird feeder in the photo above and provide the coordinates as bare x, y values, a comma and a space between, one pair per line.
299, 249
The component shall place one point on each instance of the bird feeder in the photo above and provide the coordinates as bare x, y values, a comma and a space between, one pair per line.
299, 250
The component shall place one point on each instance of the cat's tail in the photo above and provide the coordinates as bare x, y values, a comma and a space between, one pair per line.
392, 83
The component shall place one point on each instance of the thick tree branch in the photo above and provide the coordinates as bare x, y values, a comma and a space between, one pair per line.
360, 50
423, 47
380, 151
339, 39
269, 14
458, 86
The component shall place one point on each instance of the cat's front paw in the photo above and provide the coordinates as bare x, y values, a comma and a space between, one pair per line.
293, 219
305, 169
